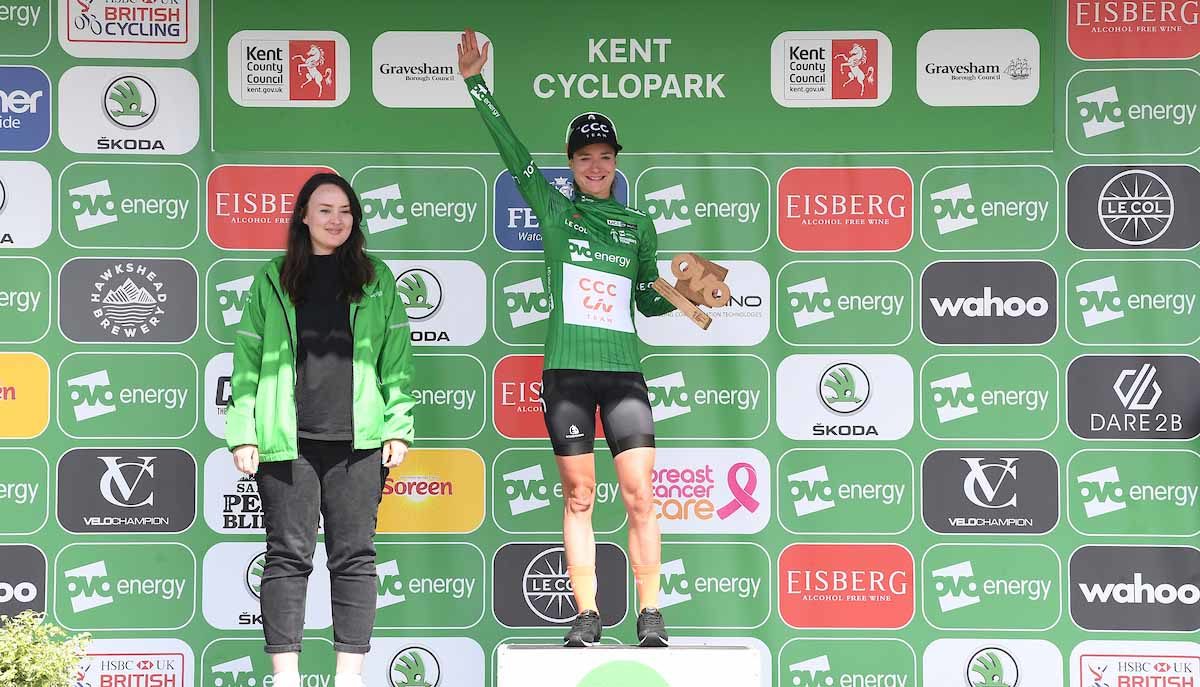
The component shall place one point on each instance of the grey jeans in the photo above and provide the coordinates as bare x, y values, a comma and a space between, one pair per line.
332, 479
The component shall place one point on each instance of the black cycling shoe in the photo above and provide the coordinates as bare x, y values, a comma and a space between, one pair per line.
585, 631
650, 628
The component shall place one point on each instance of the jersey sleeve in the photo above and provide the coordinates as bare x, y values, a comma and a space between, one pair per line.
649, 302
545, 200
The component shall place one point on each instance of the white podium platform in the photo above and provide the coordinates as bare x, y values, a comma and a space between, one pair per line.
609, 665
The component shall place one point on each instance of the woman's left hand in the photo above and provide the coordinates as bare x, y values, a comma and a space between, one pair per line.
394, 451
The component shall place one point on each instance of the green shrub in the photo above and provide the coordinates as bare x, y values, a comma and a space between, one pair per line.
32, 653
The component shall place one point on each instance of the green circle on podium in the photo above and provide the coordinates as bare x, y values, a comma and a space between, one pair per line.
623, 674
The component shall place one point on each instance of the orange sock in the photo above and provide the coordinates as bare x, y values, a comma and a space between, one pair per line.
583, 582
645, 576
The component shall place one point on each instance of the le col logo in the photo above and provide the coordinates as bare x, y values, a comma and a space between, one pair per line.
532, 588
25, 99
1144, 207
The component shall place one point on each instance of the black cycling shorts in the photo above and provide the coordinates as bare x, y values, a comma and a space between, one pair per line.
569, 401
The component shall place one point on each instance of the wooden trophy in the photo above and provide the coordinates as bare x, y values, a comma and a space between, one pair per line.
698, 282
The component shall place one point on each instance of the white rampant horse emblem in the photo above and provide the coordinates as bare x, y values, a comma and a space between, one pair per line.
853, 63
310, 69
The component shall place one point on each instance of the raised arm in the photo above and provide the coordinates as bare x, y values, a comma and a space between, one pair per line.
539, 193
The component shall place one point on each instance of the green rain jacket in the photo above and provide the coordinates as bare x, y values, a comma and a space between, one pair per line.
262, 410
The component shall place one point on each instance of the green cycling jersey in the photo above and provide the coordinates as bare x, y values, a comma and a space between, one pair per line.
599, 255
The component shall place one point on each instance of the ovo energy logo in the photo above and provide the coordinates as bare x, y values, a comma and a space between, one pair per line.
1131, 492
859, 303
991, 587
1118, 111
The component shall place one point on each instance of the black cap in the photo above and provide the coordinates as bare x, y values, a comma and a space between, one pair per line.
589, 128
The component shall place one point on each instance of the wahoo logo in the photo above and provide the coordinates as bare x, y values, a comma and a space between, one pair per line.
674, 584
811, 302
236, 673
954, 397
89, 586
668, 396
93, 205
580, 249
1102, 492
811, 491
1101, 112
232, 298
989, 305
1142, 392
1139, 591
667, 209
526, 490
815, 672
527, 302
383, 209
954, 209
117, 475
91, 395
1100, 301
955, 586
390, 587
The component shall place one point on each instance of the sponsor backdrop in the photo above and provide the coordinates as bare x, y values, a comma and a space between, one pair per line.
945, 433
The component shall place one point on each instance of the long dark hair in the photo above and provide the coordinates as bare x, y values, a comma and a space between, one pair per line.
356, 268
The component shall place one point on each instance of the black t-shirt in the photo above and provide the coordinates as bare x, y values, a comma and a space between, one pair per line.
324, 369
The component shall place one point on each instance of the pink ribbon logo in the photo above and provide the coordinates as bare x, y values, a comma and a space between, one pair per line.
743, 495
